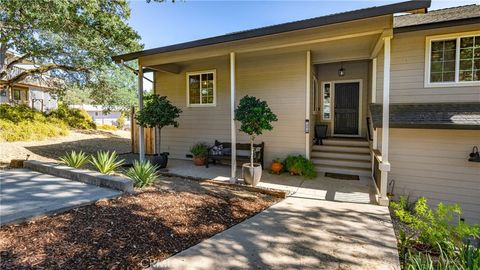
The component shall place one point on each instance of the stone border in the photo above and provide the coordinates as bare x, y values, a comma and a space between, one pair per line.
86, 176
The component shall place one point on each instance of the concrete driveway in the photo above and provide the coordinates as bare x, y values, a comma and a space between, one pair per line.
25, 194
304, 231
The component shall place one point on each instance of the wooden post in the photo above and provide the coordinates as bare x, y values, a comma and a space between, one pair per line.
233, 177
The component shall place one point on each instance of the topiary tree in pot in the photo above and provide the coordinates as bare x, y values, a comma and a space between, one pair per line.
158, 112
255, 117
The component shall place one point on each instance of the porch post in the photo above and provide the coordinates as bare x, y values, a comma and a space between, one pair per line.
233, 176
308, 76
374, 99
141, 133
385, 165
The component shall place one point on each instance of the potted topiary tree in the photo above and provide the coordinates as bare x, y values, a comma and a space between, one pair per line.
199, 152
255, 116
158, 112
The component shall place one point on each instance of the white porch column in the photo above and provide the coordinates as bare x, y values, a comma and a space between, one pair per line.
385, 165
141, 133
374, 100
233, 176
308, 77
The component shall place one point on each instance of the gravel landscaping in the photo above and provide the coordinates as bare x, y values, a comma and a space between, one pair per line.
126, 232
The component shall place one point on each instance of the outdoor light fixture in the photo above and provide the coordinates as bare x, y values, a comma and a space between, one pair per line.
341, 71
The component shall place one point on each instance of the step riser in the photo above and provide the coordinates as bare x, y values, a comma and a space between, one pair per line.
342, 149
345, 143
343, 171
335, 155
346, 163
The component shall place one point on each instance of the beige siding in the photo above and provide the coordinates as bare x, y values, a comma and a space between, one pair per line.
433, 163
280, 80
357, 70
408, 71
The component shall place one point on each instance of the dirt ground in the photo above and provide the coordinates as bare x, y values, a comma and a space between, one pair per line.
131, 231
89, 141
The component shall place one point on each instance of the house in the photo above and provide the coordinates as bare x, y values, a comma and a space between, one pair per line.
398, 87
34, 91
102, 116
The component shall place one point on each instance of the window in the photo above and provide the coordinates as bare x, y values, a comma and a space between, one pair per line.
19, 94
201, 88
327, 101
453, 60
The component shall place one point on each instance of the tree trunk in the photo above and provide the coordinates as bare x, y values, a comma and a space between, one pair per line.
252, 138
157, 139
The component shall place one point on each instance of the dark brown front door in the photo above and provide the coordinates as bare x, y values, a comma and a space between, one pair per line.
346, 108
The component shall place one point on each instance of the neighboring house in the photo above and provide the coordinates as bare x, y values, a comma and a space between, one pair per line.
419, 74
101, 116
35, 92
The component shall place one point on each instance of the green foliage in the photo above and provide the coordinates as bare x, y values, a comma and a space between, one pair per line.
107, 127
159, 112
106, 162
466, 258
143, 173
299, 165
75, 159
121, 121
69, 40
75, 118
199, 149
254, 115
21, 123
435, 226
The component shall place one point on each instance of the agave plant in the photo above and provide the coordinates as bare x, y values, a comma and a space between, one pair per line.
106, 162
75, 159
143, 173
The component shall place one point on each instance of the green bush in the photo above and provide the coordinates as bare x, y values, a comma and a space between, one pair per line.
75, 159
441, 226
106, 162
75, 118
465, 258
20, 113
107, 127
299, 165
121, 121
31, 130
143, 173
199, 149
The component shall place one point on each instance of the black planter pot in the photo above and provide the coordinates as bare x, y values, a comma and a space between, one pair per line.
161, 160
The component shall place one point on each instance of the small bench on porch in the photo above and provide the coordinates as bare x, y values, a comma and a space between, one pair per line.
223, 151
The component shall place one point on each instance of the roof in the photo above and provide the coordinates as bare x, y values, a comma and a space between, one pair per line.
458, 14
429, 115
285, 27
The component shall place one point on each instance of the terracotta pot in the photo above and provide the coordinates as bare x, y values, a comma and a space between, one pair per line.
251, 176
199, 161
277, 167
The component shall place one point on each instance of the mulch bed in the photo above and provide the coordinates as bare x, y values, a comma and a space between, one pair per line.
129, 231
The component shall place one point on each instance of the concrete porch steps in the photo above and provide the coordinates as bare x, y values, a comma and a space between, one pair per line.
343, 155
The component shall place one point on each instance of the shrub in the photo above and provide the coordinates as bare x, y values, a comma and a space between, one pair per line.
75, 118
121, 121
143, 173
75, 159
20, 113
106, 162
107, 127
29, 131
199, 149
441, 226
466, 258
299, 165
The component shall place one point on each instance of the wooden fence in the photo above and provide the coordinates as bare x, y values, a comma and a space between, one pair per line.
149, 137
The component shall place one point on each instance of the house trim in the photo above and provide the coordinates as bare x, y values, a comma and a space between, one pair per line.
435, 25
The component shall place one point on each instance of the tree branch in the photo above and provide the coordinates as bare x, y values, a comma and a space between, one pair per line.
44, 69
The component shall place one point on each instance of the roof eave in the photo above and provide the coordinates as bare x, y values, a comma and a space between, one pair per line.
442, 24
286, 27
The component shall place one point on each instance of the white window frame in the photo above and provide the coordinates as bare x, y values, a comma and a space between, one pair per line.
322, 101
214, 72
428, 54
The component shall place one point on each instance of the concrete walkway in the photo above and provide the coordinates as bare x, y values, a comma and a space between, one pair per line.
324, 224
25, 194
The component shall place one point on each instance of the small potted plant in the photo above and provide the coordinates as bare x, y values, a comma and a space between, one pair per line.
255, 116
277, 166
199, 152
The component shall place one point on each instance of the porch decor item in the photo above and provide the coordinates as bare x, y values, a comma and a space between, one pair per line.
255, 116
161, 160
199, 152
158, 112
277, 166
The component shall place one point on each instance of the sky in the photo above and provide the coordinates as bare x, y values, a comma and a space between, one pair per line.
168, 23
